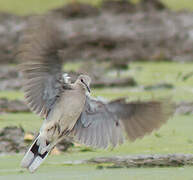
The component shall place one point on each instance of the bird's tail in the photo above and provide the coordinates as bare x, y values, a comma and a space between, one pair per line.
36, 154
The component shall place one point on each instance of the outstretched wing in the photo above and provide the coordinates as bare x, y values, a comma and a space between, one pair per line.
101, 124
41, 65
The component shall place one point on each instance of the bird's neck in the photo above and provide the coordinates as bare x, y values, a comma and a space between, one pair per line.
78, 86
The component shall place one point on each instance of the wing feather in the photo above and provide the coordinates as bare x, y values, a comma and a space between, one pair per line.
41, 65
102, 124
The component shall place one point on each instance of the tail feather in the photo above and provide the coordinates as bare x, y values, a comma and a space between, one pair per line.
33, 158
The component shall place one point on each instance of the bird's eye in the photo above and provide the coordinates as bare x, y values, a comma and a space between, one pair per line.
82, 80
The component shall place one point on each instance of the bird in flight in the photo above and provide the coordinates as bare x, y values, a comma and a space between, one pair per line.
67, 108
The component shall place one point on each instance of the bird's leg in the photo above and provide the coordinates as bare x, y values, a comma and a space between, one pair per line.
118, 73
49, 138
54, 143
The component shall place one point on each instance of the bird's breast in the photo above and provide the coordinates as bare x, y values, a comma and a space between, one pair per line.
67, 109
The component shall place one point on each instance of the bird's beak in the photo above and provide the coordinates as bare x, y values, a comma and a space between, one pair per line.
88, 88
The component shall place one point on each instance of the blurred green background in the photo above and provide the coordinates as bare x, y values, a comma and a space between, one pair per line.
25, 7
174, 137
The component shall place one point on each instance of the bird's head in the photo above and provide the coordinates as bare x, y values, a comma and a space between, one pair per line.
84, 81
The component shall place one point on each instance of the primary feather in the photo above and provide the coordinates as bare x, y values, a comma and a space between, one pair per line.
103, 123
41, 66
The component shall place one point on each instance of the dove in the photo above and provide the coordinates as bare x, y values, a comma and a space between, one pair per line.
68, 109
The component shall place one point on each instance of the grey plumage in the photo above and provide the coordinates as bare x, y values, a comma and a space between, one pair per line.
66, 107
110, 119
41, 66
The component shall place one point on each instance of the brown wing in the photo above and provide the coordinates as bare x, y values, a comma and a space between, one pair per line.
41, 65
102, 124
